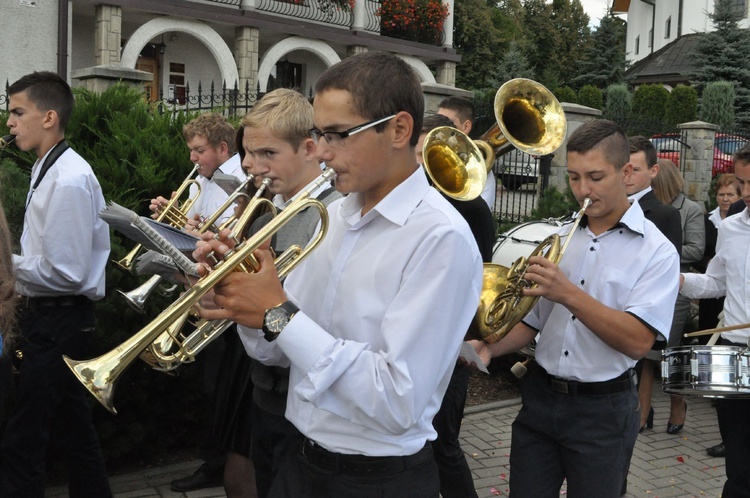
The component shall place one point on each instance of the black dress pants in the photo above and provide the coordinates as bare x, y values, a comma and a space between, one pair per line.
50, 395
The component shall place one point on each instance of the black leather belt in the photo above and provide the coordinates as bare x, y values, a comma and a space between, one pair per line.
621, 383
37, 302
361, 465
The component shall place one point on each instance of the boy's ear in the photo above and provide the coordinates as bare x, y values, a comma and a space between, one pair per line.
50, 119
309, 145
403, 127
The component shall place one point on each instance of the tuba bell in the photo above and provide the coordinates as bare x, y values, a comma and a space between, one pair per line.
454, 163
528, 117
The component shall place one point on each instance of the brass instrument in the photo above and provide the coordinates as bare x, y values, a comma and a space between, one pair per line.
100, 374
173, 213
454, 163
6, 141
173, 348
137, 297
528, 117
502, 303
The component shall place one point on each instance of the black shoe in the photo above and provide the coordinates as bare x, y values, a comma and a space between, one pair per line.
718, 451
649, 420
675, 428
200, 479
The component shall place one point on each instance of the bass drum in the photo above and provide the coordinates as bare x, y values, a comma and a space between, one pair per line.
522, 240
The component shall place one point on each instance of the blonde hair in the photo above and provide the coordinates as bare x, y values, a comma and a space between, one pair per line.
214, 127
287, 113
668, 182
8, 295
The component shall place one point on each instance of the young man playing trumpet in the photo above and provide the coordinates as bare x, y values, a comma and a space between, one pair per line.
372, 321
600, 310
277, 147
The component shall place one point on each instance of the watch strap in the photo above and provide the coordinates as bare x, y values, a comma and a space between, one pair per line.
290, 308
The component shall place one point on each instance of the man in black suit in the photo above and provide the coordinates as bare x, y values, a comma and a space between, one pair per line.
667, 220
737, 207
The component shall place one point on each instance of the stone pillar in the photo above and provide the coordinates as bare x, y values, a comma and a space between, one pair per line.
355, 49
433, 94
576, 115
446, 73
448, 25
108, 34
359, 14
697, 159
246, 46
99, 78
248, 4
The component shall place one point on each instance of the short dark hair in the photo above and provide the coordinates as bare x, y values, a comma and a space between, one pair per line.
435, 121
601, 134
639, 143
464, 108
49, 92
742, 155
381, 84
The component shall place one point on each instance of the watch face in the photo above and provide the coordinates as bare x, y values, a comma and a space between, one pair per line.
276, 319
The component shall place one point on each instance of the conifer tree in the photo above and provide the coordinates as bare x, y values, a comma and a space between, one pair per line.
605, 61
724, 55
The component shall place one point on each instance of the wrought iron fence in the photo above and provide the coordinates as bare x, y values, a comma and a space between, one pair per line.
228, 101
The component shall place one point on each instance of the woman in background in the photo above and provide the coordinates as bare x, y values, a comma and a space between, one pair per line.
667, 186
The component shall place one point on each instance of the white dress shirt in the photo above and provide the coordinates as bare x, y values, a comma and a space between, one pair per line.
212, 195
489, 193
64, 244
727, 274
385, 302
632, 268
715, 217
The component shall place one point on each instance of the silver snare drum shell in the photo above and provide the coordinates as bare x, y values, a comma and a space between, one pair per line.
709, 371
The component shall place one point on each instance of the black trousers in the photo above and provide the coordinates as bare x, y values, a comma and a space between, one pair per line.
455, 476
273, 436
298, 477
734, 426
49, 395
586, 439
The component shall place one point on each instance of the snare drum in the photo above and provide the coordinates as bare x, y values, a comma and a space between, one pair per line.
522, 240
709, 371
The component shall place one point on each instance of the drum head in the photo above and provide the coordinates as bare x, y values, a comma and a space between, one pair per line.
520, 241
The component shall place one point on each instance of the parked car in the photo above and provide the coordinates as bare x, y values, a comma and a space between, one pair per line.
516, 168
668, 146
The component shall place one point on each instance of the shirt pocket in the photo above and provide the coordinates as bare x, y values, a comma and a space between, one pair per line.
613, 287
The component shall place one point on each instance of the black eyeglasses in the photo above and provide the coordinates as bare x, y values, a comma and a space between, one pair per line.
336, 138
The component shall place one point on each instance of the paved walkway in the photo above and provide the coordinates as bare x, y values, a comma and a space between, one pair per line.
662, 465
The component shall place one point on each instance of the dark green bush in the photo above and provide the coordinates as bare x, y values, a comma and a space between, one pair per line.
566, 94
650, 102
591, 96
717, 104
618, 103
682, 106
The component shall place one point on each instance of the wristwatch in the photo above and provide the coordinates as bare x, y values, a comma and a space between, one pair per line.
276, 318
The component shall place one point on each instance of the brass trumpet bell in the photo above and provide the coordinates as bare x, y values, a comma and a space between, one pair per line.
528, 117
454, 163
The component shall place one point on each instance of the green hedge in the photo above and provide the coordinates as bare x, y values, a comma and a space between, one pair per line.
136, 153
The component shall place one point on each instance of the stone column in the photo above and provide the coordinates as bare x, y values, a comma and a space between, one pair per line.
448, 25
248, 4
108, 34
576, 115
246, 46
359, 14
697, 159
446, 73
355, 49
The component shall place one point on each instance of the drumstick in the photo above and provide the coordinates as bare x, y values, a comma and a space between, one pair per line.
714, 331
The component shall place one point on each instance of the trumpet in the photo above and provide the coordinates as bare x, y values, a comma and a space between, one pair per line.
173, 213
6, 141
173, 348
99, 375
137, 297
502, 303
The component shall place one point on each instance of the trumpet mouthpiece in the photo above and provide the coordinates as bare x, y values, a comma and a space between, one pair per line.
6, 141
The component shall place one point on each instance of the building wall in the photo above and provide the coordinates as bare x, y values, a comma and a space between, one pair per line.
694, 20
23, 54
